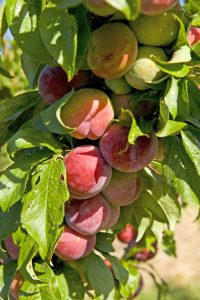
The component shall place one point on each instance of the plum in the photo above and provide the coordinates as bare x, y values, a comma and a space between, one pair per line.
114, 216
72, 245
120, 102
145, 69
157, 7
128, 234
88, 216
124, 188
53, 83
100, 8
87, 172
118, 86
160, 30
89, 111
123, 156
193, 35
112, 50
12, 249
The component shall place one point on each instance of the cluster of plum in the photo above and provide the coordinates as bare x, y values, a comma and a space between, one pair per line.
102, 170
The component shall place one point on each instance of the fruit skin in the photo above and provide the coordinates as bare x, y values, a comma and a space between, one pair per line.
12, 249
128, 234
88, 216
89, 111
114, 216
112, 50
193, 35
119, 86
16, 285
160, 30
120, 101
100, 8
53, 83
156, 7
145, 69
72, 245
123, 189
87, 172
131, 158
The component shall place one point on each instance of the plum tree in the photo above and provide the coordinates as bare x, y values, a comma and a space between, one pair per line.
89, 111
53, 83
124, 188
16, 285
157, 7
12, 249
100, 8
123, 157
112, 50
118, 86
72, 245
114, 216
128, 234
160, 30
87, 172
88, 216
120, 101
145, 69
193, 35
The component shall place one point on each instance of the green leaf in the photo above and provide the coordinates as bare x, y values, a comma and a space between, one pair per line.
83, 34
5, 134
48, 290
11, 109
58, 30
22, 17
177, 99
194, 94
120, 273
169, 244
142, 219
179, 70
30, 138
27, 251
14, 179
66, 3
103, 284
128, 7
32, 69
51, 116
7, 273
5, 73
128, 289
182, 36
43, 208
127, 118
104, 242
10, 220
180, 171
70, 283
191, 143
172, 127
171, 96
